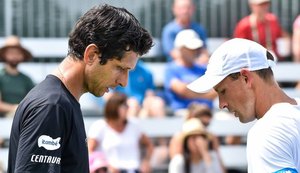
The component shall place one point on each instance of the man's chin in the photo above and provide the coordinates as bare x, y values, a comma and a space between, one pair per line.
246, 120
13, 65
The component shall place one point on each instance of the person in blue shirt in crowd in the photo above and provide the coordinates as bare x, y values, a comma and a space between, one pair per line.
183, 11
140, 80
183, 70
142, 98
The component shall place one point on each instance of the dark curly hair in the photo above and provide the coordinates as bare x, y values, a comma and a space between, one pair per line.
113, 30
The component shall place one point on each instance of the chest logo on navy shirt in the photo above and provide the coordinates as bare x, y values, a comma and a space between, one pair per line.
48, 143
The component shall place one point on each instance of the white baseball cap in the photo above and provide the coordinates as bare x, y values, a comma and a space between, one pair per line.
258, 1
231, 57
188, 38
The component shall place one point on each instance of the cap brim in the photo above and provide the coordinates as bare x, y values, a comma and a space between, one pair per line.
205, 83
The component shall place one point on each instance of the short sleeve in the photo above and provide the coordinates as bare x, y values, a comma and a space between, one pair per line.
176, 164
42, 139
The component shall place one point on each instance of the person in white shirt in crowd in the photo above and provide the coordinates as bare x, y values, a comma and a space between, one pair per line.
120, 139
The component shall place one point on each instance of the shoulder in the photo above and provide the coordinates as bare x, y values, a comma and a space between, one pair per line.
98, 124
197, 27
2, 72
244, 22
170, 26
25, 77
133, 123
271, 17
278, 128
171, 29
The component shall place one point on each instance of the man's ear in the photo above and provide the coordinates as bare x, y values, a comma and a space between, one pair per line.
91, 54
246, 75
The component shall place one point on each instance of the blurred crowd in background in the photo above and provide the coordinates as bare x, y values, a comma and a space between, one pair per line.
116, 142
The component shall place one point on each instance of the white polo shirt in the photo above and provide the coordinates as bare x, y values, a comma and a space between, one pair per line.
273, 143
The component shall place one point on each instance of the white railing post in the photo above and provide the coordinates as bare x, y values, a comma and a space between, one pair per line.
8, 17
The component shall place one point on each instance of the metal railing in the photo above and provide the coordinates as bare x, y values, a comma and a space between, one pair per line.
55, 18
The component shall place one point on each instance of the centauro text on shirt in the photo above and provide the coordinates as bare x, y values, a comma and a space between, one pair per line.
47, 143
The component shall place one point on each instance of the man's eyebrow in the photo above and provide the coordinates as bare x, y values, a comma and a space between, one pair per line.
124, 67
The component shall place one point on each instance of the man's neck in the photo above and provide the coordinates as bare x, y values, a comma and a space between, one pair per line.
70, 72
184, 23
11, 70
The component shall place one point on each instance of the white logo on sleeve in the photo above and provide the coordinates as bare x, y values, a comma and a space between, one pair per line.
48, 143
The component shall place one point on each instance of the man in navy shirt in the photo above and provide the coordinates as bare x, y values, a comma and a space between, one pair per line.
48, 133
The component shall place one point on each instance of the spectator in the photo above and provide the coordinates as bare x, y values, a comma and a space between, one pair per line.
183, 70
142, 99
197, 154
204, 114
183, 11
296, 44
12, 54
195, 110
261, 26
119, 138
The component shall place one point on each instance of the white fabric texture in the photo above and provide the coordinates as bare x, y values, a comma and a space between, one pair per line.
274, 141
121, 149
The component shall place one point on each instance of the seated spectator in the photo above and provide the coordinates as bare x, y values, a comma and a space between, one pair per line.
197, 151
204, 114
262, 27
142, 99
98, 163
195, 110
184, 70
183, 11
120, 138
14, 85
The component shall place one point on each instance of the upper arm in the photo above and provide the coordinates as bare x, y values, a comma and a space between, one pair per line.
42, 137
92, 145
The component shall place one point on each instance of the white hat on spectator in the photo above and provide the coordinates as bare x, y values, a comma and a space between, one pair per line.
231, 57
188, 38
258, 1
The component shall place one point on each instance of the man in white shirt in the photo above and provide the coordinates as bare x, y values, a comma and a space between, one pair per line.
240, 71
